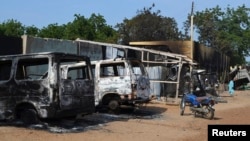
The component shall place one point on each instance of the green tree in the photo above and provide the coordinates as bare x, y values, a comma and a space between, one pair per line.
94, 28
79, 28
226, 31
31, 30
12, 28
148, 26
52, 31
103, 32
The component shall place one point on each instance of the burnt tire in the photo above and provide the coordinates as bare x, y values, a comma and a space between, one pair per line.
182, 106
29, 116
114, 106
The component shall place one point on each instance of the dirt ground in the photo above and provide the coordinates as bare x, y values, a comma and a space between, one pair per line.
162, 122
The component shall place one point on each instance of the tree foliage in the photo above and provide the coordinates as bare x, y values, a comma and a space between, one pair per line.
226, 31
79, 28
52, 31
12, 28
148, 26
94, 28
103, 32
31, 30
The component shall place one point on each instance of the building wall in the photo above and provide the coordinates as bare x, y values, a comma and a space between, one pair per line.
95, 52
10, 45
179, 47
210, 59
207, 57
35, 44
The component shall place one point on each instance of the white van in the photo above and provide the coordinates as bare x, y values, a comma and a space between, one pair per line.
117, 82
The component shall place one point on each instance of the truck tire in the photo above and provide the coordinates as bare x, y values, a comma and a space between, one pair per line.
114, 106
29, 116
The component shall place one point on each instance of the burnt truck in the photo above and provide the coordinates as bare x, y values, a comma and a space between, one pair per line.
118, 82
31, 87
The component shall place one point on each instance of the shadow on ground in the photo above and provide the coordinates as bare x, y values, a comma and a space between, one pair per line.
95, 121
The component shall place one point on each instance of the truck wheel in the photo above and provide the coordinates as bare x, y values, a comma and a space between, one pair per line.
114, 106
29, 116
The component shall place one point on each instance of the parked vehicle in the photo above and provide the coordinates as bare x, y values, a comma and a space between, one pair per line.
202, 106
117, 82
31, 87
200, 102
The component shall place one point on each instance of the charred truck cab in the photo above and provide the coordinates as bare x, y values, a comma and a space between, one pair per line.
31, 87
118, 82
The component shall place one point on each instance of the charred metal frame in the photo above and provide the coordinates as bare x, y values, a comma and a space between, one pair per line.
124, 80
33, 81
166, 59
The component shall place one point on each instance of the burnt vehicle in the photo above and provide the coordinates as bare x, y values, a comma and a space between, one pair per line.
31, 87
118, 82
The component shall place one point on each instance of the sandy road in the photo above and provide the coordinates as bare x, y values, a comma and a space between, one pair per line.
158, 122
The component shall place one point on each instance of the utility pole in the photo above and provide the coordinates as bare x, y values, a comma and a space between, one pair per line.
191, 31
192, 46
